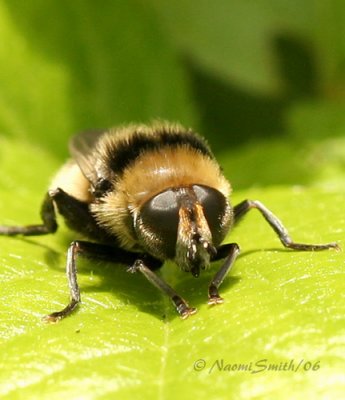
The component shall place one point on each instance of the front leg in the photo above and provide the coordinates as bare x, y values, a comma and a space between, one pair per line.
230, 251
71, 271
241, 209
94, 251
109, 253
180, 304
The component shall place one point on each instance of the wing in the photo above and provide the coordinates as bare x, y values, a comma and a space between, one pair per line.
84, 151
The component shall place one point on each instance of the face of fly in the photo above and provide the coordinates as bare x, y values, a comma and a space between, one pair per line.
194, 245
185, 224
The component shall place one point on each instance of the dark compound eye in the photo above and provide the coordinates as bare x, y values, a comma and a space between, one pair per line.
215, 206
161, 216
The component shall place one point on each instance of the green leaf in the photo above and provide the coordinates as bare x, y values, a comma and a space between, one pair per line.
246, 43
281, 308
90, 69
264, 82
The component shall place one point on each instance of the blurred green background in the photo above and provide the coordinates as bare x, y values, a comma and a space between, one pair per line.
244, 74
264, 82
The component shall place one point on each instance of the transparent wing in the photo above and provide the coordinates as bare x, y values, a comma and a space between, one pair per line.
84, 151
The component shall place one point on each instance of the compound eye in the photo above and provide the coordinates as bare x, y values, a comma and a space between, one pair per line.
160, 215
215, 207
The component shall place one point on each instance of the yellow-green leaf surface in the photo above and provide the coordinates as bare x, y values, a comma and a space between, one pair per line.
264, 83
282, 309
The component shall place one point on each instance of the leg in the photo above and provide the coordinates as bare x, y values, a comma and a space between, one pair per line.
93, 251
71, 272
49, 224
230, 251
75, 212
241, 209
180, 304
77, 216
